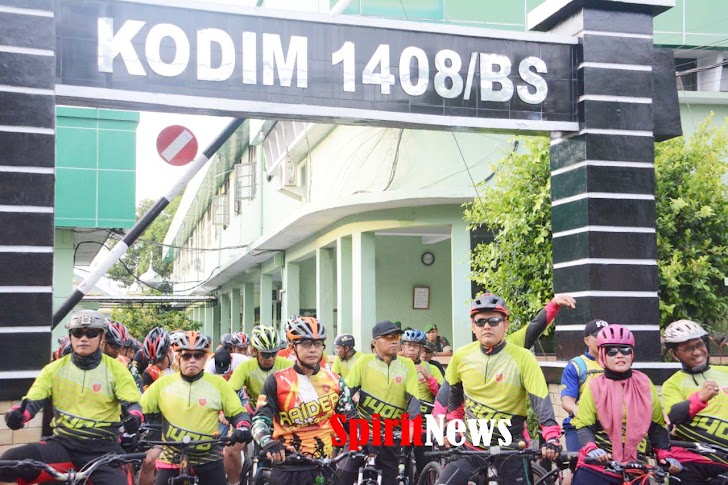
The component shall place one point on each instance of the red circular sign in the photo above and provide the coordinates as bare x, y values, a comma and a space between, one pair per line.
177, 145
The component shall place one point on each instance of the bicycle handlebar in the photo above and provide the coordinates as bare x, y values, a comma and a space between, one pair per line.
659, 472
492, 451
297, 458
86, 471
699, 447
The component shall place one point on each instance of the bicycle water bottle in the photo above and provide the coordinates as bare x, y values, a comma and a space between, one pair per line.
319, 480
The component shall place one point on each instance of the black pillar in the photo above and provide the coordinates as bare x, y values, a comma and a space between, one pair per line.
603, 178
27, 160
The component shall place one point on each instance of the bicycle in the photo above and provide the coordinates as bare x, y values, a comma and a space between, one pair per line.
371, 474
708, 450
70, 476
325, 466
634, 472
432, 471
185, 476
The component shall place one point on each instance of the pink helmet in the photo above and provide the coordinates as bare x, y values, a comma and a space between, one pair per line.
611, 336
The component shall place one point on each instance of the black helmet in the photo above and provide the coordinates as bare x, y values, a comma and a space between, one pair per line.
345, 340
489, 302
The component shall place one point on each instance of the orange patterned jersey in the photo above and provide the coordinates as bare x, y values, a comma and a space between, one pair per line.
296, 410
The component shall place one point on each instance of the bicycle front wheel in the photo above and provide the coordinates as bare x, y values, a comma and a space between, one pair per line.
263, 478
430, 474
539, 473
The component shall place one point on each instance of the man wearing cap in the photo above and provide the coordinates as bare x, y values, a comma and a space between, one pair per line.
387, 386
428, 352
575, 377
442, 346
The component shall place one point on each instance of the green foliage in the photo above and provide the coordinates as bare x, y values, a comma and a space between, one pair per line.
692, 234
516, 208
137, 256
140, 320
692, 223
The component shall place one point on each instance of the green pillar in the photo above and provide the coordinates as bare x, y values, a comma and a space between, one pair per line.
235, 324
343, 285
460, 272
248, 307
224, 313
325, 291
215, 330
291, 304
209, 318
266, 299
364, 288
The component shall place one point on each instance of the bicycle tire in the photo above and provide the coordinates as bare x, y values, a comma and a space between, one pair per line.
430, 473
539, 472
263, 478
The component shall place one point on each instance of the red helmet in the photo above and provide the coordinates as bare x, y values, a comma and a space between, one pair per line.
488, 302
156, 345
240, 340
116, 334
64, 348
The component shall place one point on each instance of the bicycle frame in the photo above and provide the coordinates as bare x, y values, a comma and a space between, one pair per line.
73, 477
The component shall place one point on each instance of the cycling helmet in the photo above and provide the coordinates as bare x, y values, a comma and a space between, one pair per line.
116, 334
265, 339
615, 334
192, 340
64, 348
240, 340
414, 336
488, 302
87, 319
305, 328
156, 345
132, 343
226, 340
682, 331
175, 338
345, 340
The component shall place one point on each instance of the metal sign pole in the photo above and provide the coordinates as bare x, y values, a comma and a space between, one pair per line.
120, 249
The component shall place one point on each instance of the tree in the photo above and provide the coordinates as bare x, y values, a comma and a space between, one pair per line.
140, 320
692, 217
147, 246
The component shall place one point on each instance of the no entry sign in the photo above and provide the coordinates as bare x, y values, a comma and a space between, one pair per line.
176, 145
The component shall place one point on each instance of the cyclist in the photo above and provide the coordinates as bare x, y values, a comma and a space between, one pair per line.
387, 386
90, 391
288, 353
346, 354
64, 348
696, 400
613, 409
189, 402
253, 373
114, 337
130, 347
241, 344
296, 404
492, 378
578, 372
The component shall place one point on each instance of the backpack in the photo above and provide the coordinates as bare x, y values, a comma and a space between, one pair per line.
582, 371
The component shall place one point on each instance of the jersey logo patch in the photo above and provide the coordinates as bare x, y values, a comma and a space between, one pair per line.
96, 387
499, 377
202, 401
398, 379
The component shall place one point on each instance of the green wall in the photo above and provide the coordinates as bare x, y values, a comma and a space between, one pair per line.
95, 167
307, 284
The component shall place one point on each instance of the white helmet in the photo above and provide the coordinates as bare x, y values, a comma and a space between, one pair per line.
682, 331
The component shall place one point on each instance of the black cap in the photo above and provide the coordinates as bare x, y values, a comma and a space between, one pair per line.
385, 327
429, 346
593, 327
223, 359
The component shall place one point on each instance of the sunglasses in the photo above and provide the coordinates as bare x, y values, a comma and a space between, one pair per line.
391, 337
268, 355
492, 321
88, 332
613, 351
192, 355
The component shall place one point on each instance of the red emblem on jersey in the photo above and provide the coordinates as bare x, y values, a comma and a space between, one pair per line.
499, 377
326, 388
202, 401
398, 379
96, 387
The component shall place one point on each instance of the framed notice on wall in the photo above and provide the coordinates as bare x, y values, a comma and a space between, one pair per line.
421, 298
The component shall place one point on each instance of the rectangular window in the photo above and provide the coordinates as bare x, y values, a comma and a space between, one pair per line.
220, 210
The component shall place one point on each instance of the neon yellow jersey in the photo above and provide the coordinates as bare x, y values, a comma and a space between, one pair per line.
388, 390
342, 367
250, 375
86, 403
709, 425
191, 409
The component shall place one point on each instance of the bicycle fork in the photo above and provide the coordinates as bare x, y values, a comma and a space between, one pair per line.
369, 467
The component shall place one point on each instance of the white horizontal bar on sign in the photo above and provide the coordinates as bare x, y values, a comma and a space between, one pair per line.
633, 328
20, 89
26, 208
27, 129
614, 294
26, 249
26, 329
26, 289
19, 169
26, 11
602, 195
605, 131
556, 141
623, 35
19, 374
611, 65
11, 49
619, 229
584, 261
602, 163
615, 99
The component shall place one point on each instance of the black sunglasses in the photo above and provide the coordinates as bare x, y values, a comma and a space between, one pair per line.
88, 332
492, 321
192, 355
613, 351
268, 355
